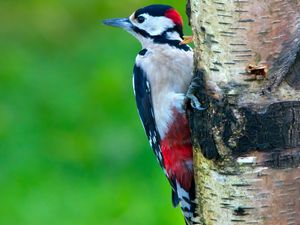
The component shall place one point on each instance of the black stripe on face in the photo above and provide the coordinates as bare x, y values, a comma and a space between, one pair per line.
174, 43
141, 32
162, 39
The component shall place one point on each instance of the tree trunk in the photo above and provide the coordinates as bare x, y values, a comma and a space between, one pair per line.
247, 140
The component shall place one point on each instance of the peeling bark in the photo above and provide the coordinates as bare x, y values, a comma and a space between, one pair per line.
247, 141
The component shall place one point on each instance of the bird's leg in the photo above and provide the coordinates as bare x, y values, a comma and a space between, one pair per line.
194, 101
190, 97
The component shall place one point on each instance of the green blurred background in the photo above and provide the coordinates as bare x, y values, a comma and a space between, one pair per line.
72, 149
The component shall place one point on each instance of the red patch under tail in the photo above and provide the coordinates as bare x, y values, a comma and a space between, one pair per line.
177, 151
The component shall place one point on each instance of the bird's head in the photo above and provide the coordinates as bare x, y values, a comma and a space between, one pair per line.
154, 23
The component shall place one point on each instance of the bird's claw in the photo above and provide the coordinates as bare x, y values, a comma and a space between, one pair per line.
195, 102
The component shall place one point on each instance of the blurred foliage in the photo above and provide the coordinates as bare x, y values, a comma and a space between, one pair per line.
72, 149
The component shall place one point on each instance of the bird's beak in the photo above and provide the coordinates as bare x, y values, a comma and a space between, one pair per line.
119, 22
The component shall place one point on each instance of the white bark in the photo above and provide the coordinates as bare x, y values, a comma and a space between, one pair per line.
257, 186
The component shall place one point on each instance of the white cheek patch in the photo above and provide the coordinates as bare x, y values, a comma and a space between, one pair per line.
173, 36
153, 25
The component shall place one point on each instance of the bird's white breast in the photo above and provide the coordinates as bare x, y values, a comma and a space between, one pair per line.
169, 71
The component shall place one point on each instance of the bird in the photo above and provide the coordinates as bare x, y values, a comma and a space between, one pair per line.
162, 73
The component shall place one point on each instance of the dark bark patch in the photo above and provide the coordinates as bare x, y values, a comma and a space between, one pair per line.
239, 211
277, 128
293, 76
200, 120
242, 129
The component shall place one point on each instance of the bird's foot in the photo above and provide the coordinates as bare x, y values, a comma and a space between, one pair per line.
194, 102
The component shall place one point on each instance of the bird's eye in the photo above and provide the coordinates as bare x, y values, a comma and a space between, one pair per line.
140, 19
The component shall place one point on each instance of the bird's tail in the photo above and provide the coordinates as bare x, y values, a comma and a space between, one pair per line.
188, 204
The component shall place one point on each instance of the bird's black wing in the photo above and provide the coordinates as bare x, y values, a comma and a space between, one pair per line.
142, 90
143, 97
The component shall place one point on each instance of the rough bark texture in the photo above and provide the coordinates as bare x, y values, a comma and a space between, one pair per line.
247, 141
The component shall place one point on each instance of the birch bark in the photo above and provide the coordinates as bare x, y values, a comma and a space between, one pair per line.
247, 141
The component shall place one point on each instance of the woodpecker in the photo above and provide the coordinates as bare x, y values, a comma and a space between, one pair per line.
161, 76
